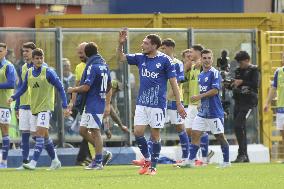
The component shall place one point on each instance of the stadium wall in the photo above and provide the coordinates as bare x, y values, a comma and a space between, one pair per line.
124, 155
173, 6
12, 16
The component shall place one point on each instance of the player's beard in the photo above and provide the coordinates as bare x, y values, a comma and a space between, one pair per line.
145, 52
83, 59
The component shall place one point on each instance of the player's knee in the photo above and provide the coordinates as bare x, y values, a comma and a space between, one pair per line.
83, 131
155, 138
195, 137
96, 132
138, 133
179, 128
189, 132
221, 138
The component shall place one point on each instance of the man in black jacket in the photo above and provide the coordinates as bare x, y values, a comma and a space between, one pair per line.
245, 94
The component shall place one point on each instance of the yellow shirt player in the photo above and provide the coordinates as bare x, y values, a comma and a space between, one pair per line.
277, 89
41, 81
187, 64
193, 90
79, 71
7, 83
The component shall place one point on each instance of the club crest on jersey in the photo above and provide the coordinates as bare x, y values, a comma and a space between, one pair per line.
89, 70
143, 64
206, 79
158, 65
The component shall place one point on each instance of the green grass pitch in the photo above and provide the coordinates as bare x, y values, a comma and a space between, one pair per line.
239, 176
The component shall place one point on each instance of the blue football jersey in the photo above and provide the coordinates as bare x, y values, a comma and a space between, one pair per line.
97, 77
179, 70
211, 107
154, 74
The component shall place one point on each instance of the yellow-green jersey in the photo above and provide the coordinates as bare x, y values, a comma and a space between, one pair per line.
41, 82
278, 83
179, 77
193, 84
42, 92
7, 82
185, 88
79, 70
25, 98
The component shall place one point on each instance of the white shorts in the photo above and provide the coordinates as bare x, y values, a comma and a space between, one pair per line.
280, 121
40, 120
25, 120
191, 114
154, 117
174, 117
5, 116
215, 125
87, 120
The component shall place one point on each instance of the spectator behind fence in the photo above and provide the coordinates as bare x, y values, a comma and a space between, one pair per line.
114, 112
68, 76
68, 81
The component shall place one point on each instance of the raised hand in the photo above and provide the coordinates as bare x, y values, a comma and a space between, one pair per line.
122, 36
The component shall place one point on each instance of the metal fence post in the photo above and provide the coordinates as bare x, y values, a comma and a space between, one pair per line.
127, 93
190, 37
59, 70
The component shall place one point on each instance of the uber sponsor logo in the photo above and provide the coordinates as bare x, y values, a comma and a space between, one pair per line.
147, 73
203, 88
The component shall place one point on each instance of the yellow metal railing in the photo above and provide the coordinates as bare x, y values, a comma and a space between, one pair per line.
272, 47
261, 21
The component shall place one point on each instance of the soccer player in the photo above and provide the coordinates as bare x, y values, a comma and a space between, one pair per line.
211, 114
195, 57
187, 64
41, 81
167, 47
155, 68
22, 106
7, 83
97, 86
277, 89
84, 156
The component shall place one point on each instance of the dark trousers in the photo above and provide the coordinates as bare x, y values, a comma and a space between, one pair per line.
240, 113
84, 151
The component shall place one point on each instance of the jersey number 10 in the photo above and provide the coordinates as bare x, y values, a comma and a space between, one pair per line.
104, 82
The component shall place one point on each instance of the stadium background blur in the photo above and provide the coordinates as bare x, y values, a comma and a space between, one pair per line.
58, 26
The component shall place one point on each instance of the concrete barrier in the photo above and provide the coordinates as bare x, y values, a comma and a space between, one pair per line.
124, 155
